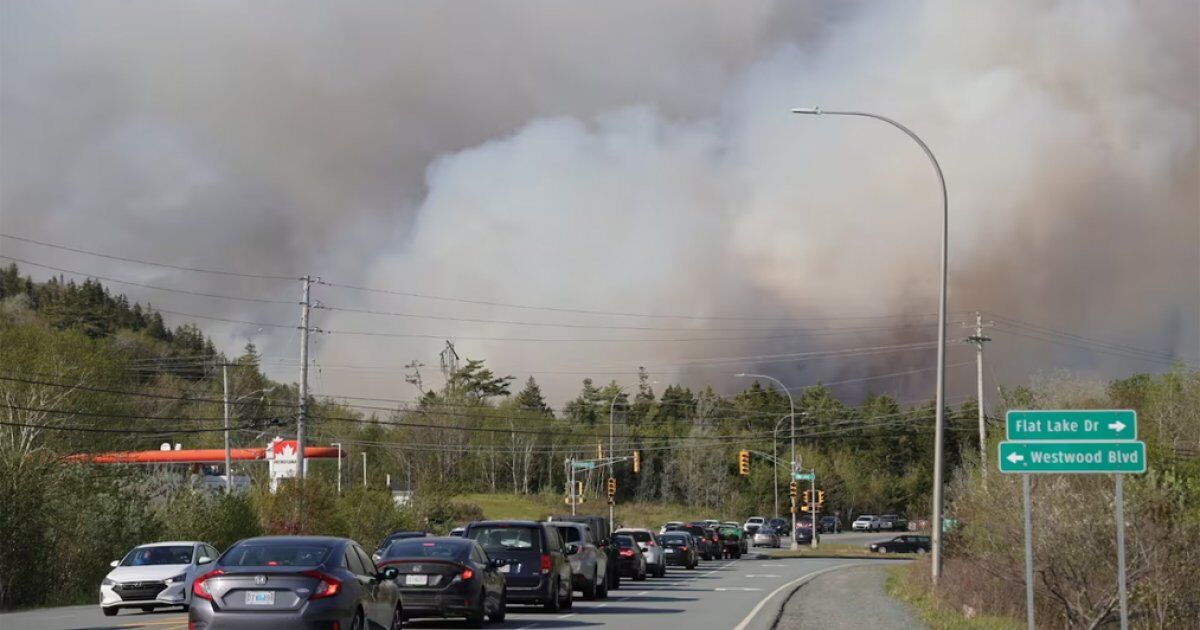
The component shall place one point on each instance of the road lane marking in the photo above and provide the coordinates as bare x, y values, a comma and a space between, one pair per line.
566, 616
771, 566
763, 602
642, 593
736, 588
761, 575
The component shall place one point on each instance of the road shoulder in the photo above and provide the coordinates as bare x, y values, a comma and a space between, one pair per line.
852, 598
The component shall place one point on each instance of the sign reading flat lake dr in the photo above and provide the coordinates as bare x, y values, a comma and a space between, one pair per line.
1072, 457
804, 476
1072, 424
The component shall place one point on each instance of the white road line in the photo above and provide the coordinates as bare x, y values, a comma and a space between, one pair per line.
750, 617
642, 593
566, 616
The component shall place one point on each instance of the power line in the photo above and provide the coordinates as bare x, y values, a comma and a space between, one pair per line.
143, 285
217, 272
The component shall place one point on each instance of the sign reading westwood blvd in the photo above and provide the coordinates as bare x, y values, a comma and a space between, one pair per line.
1073, 424
1073, 457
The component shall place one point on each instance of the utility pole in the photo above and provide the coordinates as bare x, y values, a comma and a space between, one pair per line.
228, 454
339, 467
978, 339
304, 308
364, 454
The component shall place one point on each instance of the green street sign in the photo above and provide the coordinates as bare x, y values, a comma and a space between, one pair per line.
1072, 424
583, 465
804, 476
1072, 457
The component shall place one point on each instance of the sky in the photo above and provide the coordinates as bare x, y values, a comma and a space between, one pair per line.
568, 189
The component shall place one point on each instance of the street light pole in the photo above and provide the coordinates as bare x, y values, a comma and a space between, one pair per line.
939, 422
792, 415
228, 453
775, 452
612, 406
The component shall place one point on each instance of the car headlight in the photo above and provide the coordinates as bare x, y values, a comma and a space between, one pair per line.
176, 579
107, 582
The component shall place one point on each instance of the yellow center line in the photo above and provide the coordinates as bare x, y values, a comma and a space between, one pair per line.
165, 622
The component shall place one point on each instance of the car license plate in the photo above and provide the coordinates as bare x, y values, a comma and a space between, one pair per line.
669, 550
416, 580
260, 598
505, 568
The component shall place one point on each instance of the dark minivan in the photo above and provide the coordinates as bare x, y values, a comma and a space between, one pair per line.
536, 569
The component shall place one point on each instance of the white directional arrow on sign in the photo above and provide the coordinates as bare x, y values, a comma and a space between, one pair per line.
1014, 458
1117, 426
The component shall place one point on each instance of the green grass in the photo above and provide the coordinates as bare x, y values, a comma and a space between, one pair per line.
538, 507
836, 550
936, 614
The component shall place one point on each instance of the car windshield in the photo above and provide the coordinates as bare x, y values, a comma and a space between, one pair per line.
504, 538
639, 536
866, 517
626, 542
569, 534
276, 554
166, 554
417, 548
729, 531
767, 530
674, 541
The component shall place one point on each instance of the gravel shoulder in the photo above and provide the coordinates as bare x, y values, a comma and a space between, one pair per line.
849, 599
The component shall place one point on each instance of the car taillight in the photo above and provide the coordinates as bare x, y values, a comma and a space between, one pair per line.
545, 563
683, 548
327, 587
467, 574
626, 552
200, 586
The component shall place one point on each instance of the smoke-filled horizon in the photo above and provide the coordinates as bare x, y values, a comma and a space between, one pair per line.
624, 158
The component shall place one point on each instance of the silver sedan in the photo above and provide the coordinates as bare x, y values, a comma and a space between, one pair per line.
767, 537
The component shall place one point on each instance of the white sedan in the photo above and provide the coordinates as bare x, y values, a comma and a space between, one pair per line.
157, 575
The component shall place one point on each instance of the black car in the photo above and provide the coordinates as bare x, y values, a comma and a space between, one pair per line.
704, 546
782, 526
536, 569
602, 530
393, 537
630, 561
829, 525
295, 582
679, 549
447, 577
902, 544
804, 535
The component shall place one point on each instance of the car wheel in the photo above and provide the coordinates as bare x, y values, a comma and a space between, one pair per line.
475, 617
602, 590
502, 608
590, 587
662, 571
553, 602
920, 551
357, 622
110, 611
570, 603
615, 584
397, 618
883, 550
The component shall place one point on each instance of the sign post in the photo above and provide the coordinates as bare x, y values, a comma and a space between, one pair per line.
1075, 441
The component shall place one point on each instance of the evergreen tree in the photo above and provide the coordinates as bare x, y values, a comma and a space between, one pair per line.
530, 398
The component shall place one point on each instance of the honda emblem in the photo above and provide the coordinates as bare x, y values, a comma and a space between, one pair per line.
260, 579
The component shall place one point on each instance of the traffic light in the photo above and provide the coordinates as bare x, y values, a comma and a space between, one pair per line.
820, 497
579, 491
807, 497
793, 498
793, 489
612, 487
637, 462
599, 450
743, 462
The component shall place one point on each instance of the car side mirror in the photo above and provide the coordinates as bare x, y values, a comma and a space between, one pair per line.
114, 564
204, 560
389, 573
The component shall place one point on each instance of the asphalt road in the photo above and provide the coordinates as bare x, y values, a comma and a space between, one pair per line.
849, 599
741, 594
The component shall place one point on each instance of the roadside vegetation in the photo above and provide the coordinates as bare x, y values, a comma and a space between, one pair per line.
84, 371
909, 585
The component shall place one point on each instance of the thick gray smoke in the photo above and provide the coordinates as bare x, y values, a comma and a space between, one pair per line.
625, 158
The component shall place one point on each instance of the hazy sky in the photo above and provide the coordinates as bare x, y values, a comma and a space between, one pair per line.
623, 157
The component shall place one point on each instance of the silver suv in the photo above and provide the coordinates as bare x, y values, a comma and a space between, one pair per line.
589, 565
656, 563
